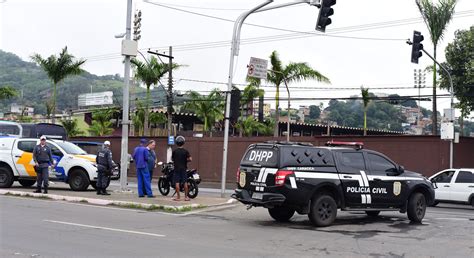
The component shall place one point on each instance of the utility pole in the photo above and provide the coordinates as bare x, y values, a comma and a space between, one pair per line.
419, 77
169, 97
125, 107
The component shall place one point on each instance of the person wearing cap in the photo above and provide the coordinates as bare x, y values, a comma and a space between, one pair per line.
104, 168
180, 157
43, 159
140, 156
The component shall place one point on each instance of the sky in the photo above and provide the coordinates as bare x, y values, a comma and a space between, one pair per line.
364, 45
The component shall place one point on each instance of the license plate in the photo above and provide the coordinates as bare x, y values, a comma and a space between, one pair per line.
196, 176
258, 196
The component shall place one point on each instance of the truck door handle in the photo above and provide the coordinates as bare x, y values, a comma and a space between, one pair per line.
446, 186
377, 179
347, 176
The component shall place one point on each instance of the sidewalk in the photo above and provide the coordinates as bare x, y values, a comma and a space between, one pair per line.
206, 198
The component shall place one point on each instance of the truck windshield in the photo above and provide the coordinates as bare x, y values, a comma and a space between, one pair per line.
71, 148
261, 156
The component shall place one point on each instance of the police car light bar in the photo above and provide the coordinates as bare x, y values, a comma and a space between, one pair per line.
356, 145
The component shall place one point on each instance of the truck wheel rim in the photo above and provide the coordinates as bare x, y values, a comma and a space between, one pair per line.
324, 211
420, 207
3, 178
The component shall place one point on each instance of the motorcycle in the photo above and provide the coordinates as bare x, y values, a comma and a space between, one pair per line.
165, 183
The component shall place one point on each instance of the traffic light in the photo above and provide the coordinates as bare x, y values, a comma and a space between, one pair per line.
324, 12
416, 46
136, 25
234, 105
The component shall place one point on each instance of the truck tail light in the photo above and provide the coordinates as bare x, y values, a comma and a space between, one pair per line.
237, 176
281, 176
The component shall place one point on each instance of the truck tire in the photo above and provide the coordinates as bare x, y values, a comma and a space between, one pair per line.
78, 180
6, 177
416, 207
281, 213
26, 182
323, 210
372, 213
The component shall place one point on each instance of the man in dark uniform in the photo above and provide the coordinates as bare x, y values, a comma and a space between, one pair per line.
180, 158
43, 160
104, 168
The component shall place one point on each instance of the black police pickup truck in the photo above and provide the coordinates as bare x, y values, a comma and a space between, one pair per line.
289, 177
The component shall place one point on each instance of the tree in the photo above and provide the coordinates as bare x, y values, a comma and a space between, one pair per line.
436, 17
101, 124
460, 64
365, 101
72, 128
314, 112
251, 92
150, 73
247, 126
209, 109
57, 69
7, 92
293, 72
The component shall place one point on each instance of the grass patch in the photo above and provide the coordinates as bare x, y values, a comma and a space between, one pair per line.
154, 207
83, 201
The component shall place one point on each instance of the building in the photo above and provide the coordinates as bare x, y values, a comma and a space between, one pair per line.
18, 109
266, 109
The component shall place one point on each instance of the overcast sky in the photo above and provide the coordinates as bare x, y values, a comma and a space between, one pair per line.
351, 53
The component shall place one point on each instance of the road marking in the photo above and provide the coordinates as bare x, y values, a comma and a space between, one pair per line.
452, 218
105, 228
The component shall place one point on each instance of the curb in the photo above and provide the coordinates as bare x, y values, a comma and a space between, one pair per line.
124, 204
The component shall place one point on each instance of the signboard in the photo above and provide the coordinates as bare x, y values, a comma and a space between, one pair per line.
257, 68
96, 99
171, 140
447, 131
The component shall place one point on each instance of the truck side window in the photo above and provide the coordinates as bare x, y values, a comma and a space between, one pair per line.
465, 177
381, 164
444, 177
26, 146
353, 160
54, 150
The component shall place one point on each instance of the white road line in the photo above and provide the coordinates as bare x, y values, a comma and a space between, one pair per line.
104, 228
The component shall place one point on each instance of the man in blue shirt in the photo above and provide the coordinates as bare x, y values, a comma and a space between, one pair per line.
140, 155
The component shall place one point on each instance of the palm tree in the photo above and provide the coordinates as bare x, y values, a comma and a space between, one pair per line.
251, 92
209, 109
150, 73
157, 118
365, 100
436, 17
7, 92
101, 124
248, 126
57, 69
293, 72
72, 128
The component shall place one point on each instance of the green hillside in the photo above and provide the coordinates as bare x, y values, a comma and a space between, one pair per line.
26, 76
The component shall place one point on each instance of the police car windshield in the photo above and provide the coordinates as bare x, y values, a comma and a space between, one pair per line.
71, 148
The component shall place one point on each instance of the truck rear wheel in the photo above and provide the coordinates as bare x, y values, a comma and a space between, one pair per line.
78, 180
281, 213
323, 210
416, 207
6, 177
26, 182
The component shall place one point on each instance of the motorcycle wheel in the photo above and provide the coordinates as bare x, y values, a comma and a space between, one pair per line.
163, 186
193, 189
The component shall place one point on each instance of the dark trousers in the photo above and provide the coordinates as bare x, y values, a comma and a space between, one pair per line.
42, 177
102, 180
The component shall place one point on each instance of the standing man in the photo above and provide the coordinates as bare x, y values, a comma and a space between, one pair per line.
140, 155
180, 158
43, 160
104, 168
151, 164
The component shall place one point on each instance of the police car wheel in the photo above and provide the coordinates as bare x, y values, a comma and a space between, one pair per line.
323, 210
416, 207
26, 182
6, 177
78, 180
163, 186
372, 213
281, 213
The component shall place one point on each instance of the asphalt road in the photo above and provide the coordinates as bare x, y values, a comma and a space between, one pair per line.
42, 228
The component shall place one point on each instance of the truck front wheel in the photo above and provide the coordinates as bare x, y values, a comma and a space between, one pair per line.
6, 177
78, 180
416, 207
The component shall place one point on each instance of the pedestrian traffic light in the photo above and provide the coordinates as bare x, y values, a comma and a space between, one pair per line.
324, 12
416, 47
234, 105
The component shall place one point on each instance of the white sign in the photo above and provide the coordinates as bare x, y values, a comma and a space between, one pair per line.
257, 68
447, 131
96, 99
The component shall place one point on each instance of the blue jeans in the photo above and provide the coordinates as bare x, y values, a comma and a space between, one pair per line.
143, 176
